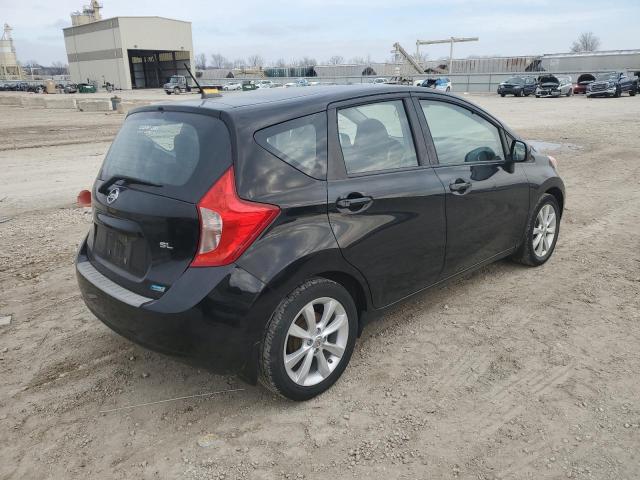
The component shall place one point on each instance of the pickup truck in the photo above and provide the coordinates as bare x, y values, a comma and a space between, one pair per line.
612, 84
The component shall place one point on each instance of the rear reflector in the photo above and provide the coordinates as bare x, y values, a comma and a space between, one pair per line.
228, 224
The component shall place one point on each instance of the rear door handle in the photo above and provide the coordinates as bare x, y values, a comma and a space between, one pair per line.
459, 186
354, 204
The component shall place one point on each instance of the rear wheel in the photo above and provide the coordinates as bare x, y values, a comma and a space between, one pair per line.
176, 90
309, 340
542, 233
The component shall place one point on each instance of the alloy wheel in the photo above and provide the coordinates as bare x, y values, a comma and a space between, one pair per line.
544, 231
316, 341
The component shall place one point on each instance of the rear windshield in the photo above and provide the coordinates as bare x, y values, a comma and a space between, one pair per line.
176, 150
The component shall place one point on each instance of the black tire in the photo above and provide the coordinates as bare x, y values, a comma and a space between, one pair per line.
526, 254
502, 95
167, 92
273, 374
617, 94
632, 93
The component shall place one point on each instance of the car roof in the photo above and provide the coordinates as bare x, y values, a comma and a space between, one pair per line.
267, 105
313, 95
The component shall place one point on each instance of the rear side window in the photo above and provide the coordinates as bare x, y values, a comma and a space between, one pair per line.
171, 149
302, 143
376, 136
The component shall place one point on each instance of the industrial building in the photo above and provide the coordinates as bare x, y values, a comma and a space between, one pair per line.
9, 66
127, 52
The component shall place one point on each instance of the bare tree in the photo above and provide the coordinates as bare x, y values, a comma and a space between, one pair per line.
358, 61
59, 68
219, 61
306, 62
239, 63
586, 42
255, 61
336, 60
280, 63
201, 61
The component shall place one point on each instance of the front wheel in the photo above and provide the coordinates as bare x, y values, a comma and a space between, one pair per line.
542, 233
502, 95
309, 340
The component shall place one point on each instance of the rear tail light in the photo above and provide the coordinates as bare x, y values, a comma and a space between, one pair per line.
228, 224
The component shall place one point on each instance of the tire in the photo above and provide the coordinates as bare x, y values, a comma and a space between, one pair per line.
617, 94
167, 92
528, 254
519, 94
570, 92
279, 340
448, 90
502, 95
537, 96
632, 93
176, 91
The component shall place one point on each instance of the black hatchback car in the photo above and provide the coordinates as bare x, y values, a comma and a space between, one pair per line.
258, 233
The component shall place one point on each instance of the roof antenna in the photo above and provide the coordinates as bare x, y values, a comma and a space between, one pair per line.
204, 92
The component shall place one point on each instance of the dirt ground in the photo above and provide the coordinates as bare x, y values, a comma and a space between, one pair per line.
509, 373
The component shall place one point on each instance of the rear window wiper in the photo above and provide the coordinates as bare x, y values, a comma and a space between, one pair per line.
125, 179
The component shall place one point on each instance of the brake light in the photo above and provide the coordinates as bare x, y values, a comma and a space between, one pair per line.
228, 224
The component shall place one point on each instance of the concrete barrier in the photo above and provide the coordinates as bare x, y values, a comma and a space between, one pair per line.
124, 107
94, 105
33, 101
11, 100
60, 102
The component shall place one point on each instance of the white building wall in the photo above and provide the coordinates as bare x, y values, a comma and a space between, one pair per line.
99, 50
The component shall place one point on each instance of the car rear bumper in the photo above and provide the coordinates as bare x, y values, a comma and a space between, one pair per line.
210, 316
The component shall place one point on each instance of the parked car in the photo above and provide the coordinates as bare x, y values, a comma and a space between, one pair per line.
265, 84
442, 83
378, 81
232, 86
249, 85
552, 86
612, 84
518, 86
300, 82
177, 84
260, 234
583, 81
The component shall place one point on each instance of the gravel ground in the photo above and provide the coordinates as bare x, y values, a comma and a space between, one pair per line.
508, 373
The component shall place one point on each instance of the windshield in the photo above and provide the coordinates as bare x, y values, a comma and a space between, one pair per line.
169, 149
174, 80
517, 80
607, 76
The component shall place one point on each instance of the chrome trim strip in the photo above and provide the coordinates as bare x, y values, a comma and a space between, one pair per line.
110, 287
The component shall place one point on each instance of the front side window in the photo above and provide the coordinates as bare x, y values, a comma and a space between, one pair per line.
376, 136
302, 143
461, 136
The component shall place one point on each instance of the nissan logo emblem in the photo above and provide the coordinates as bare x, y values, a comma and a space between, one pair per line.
113, 195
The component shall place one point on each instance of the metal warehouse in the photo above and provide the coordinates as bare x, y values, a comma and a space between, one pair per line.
128, 52
628, 60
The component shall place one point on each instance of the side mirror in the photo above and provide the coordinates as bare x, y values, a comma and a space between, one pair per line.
519, 151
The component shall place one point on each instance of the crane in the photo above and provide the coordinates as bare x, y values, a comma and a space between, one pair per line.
450, 40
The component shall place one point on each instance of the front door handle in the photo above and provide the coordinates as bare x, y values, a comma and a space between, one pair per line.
353, 204
459, 186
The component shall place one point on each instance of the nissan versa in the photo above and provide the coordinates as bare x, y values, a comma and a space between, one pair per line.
258, 233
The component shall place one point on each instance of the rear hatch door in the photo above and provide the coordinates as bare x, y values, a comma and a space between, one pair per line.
145, 220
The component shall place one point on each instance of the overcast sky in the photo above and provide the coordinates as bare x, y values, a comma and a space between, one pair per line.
322, 28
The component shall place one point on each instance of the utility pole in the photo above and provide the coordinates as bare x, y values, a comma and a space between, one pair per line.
450, 40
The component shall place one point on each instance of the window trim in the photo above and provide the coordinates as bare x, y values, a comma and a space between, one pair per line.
429, 139
337, 168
